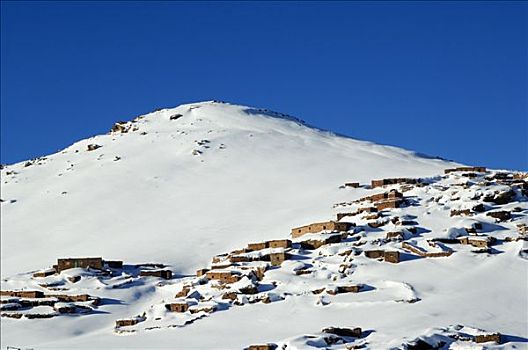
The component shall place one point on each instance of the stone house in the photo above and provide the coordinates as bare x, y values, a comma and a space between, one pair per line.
316, 243
320, 226
500, 215
477, 169
374, 254
70, 263
394, 235
201, 272
257, 246
44, 273
262, 347
393, 181
114, 264
223, 276
93, 147
392, 256
280, 243
22, 293
183, 292
484, 338
277, 258
177, 307
204, 308
339, 216
165, 274
126, 322
388, 204
456, 212
344, 332
345, 289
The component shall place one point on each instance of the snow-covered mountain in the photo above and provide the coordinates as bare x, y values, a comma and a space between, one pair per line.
180, 186
182, 190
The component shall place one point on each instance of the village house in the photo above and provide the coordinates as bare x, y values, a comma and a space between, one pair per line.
70, 263
202, 308
280, 243
320, 226
165, 274
477, 169
257, 246
93, 147
484, 338
44, 273
183, 292
315, 243
457, 212
352, 184
388, 204
392, 256
423, 253
392, 194
22, 293
477, 241
344, 332
277, 258
201, 272
339, 216
394, 235
500, 215
224, 276
374, 254
262, 347
393, 181
114, 264
344, 289
127, 322
177, 307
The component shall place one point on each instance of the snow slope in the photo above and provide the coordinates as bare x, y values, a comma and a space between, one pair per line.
181, 190
261, 174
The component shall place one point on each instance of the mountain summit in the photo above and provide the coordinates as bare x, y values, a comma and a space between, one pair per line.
180, 184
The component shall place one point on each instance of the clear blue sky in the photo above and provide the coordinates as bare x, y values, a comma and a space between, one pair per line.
447, 79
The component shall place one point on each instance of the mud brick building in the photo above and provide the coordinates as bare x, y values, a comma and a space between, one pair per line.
484, 338
201, 272
44, 273
320, 226
22, 293
388, 204
196, 309
393, 181
223, 276
501, 215
317, 243
345, 289
177, 307
477, 169
277, 258
127, 322
374, 254
392, 256
262, 347
279, 243
344, 332
70, 263
457, 212
339, 216
257, 246
114, 264
165, 274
